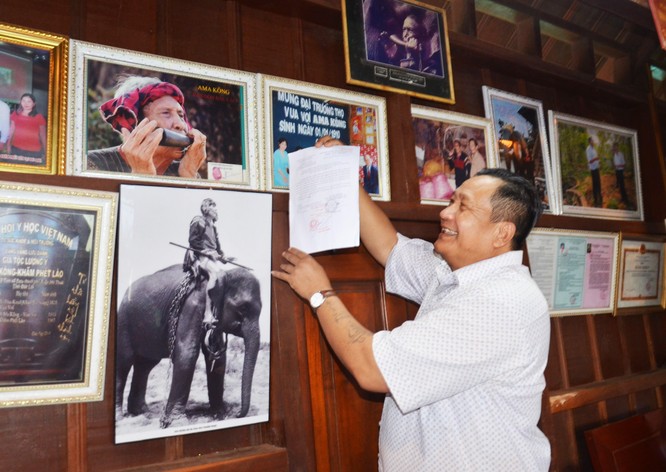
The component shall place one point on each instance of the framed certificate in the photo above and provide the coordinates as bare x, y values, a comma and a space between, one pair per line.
56, 262
575, 270
641, 273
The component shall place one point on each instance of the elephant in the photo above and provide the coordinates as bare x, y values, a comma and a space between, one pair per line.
143, 337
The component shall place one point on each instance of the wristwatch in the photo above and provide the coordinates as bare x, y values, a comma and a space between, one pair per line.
318, 298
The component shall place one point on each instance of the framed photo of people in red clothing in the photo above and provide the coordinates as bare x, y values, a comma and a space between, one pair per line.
56, 266
596, 168
33, 95
398, 45
449, 148
144, 117
295, 114
520, 140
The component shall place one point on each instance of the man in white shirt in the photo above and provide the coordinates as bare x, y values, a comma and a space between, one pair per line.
593, 165
619, 163
464, 379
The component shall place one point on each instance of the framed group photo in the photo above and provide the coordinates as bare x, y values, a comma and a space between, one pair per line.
296, 114
398, 45
56, 265
597, 169
450, 148
145, 117
520, 140
33, 93
575, 270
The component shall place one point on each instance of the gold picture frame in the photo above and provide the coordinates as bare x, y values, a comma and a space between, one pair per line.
56, 266
33, 64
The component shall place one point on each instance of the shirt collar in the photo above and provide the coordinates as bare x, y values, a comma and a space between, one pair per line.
478, 270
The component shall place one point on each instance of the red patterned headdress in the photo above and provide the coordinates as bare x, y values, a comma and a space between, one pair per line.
124, 111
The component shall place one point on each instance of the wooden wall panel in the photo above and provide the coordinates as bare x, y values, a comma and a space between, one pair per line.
33, 438
123, 24
212, 40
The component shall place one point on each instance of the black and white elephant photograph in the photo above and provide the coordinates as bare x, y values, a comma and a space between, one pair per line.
193, 311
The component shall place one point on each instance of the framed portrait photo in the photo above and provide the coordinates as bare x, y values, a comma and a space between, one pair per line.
520, 140
33, 95
597, 169
145, 117
641, 273
575, 270
449, 149
398, 45
193, 306
56, 266
296, 114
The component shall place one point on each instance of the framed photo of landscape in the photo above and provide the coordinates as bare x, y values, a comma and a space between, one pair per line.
205, 115
450, 148
575, 270
398, 45
33, 95
296, 114
597, 170
520, 141
56, 265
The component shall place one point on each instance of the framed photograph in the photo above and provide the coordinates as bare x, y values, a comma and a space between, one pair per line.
575, 270
641, 272
449, 148
398, 45
296, 114
520, 140
194, 305
56, 266
33, 96
597, 170
151, 118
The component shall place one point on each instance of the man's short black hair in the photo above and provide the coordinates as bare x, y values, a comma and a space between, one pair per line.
515, 200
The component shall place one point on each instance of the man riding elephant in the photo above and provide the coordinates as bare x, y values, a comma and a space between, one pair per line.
205, 257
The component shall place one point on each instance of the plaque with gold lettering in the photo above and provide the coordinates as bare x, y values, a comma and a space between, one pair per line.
56, 258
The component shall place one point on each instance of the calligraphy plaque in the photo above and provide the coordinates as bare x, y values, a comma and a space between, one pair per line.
49, 261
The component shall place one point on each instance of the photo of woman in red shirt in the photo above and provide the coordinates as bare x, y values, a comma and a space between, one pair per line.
27, 134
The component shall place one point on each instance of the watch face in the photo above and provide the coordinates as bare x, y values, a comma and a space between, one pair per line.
316, 300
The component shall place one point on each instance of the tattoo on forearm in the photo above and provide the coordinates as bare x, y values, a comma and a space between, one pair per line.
355, 332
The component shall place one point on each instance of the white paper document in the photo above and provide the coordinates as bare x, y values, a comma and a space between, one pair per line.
323, 198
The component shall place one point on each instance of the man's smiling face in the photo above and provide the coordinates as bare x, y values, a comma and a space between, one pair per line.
468, 235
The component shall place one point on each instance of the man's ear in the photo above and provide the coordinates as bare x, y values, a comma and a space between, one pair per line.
504, 234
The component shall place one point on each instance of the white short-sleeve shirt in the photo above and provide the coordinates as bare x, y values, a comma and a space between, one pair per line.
466, 375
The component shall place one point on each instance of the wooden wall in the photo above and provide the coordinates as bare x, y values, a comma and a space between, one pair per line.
601, 368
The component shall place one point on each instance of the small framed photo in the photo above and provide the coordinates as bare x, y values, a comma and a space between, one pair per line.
56, 266
641, 273
151, 118
296, 114
575, 270
193, 311
398, 45
450, 148
520, 140
33, 96
597, 169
